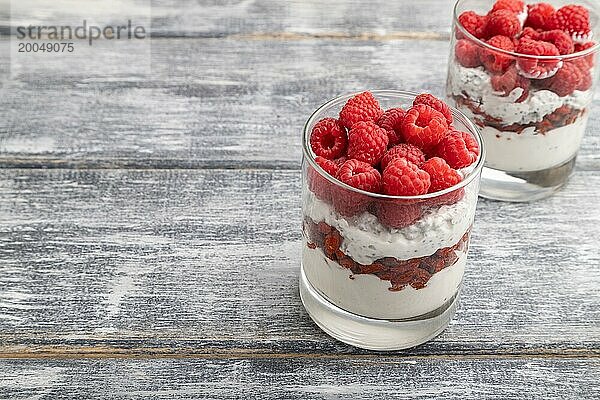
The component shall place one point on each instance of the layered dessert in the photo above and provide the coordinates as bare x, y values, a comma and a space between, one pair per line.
388, 207
525, 75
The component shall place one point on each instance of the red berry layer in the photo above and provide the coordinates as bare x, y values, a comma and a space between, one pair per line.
415, 272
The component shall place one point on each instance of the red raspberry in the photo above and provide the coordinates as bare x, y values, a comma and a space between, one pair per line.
539, 15
509, 81
459, 149
495, 61
330, 166
397, 215
423, 126
529, 33
532, 68
586, 81
403, 150
367, 142
403, 178
516, 6
317, 183
473, 23
503, 23
467, 53
441, 174
435, 103
589, 59
362, 107
391, 121
360, 175
565, 81
328, 138
573, 19
558, 38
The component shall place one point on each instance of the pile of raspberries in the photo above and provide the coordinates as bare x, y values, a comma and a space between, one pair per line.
546, 31
395, 152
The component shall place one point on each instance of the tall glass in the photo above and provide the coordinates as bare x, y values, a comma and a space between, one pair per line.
367, 283
531, 114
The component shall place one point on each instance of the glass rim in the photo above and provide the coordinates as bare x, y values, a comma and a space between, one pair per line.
477, 166
561, 57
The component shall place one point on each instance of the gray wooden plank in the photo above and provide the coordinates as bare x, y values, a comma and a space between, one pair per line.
197, 262
207, 103
305, 378
224, 18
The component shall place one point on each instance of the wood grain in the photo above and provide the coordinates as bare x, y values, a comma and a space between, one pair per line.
176, 276
207, 103
176, 18
274, 378
198, 262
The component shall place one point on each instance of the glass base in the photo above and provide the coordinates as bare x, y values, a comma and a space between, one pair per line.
374, 334
524, 186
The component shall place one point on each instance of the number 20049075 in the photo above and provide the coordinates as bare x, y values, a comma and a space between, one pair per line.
45, 48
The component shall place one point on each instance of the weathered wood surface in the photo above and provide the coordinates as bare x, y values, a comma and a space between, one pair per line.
338, 18
300, 378
207, 103
107, 272
206, 261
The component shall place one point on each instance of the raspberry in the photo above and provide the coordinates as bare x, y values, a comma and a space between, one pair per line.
516, 6
573, 19
317, 183
565, 81
330, 166
423, 126
403, 150
589, 59
473, 23
532, 68
348, 203
467, 53
495, 61
391, 121
328, 138
403, 178
586, 81
360, 175
558, 38
362, 107
529, 33
509, 81
539, 15
367, 142
397, 215
435, 103
441, 174
459, 149
503, 23
448, 198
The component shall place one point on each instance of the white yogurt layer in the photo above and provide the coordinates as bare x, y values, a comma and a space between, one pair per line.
475, 83
365, 239
369, 296
527, 151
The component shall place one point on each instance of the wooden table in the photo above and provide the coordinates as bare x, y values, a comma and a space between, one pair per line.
150, 228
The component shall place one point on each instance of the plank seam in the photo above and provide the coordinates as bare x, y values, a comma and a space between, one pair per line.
375, 357
291, 36
97, 166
